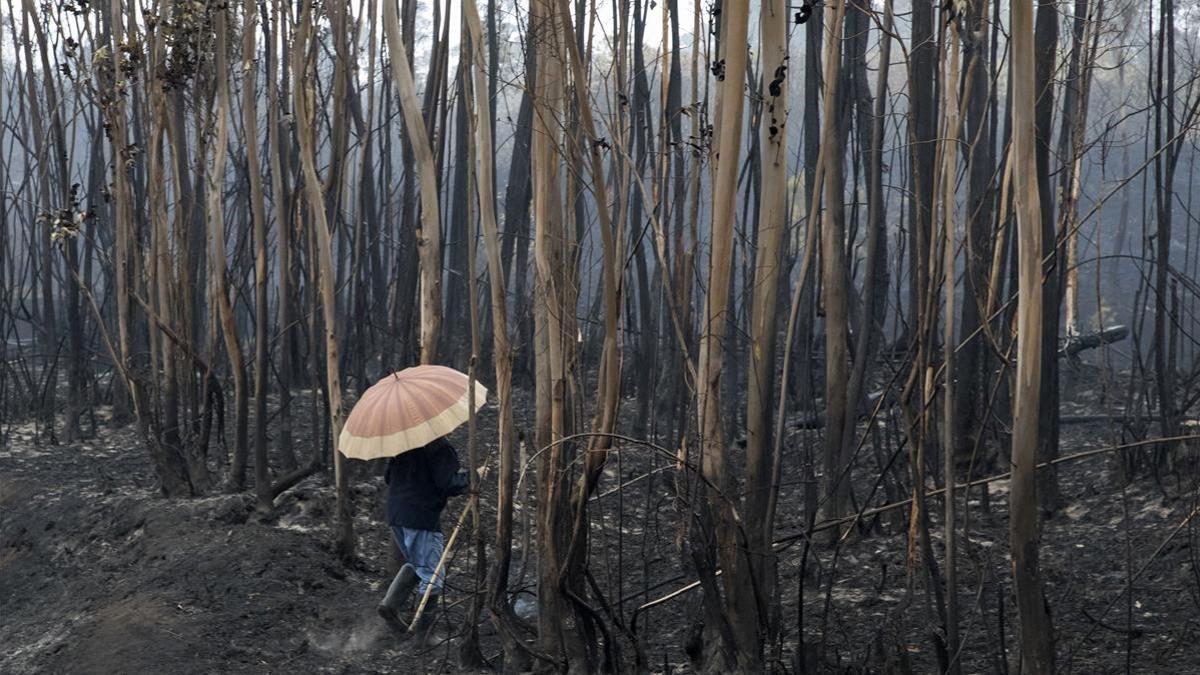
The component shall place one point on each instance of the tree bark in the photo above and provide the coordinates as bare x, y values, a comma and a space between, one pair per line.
833, 278
498, 603
219, 279
258, 214
550, 256
304, 95
429, 234
739, 605
1036, 637
1047, 39
972, 359
949, 177
281, 200
772, 225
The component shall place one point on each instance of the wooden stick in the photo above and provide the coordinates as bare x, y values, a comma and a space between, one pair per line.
441, 563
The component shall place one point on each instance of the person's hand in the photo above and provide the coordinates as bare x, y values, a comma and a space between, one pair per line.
482, 471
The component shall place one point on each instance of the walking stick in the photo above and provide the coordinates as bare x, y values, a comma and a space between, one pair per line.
441, 563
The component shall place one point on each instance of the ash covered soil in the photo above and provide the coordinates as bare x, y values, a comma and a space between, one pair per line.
100, 574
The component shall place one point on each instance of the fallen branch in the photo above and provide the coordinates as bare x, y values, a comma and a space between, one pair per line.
1134, 632
198, 361
292, 479
1078, 343
1137, 575
1118, 419
783, 543
828, 524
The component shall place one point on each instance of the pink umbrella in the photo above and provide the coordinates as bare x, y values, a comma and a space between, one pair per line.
407, 410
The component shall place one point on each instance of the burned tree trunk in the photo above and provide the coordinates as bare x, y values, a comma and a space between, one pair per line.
553, 338
738, 602
502, 353
833, 279
1047, 38
1036, 636
429, 234
220, 283
258, 214
973, 362
772, 224
304, 95
281, 203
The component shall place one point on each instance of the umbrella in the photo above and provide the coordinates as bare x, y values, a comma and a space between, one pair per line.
407, 410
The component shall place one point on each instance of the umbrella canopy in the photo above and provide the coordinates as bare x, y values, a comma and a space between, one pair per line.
407, 410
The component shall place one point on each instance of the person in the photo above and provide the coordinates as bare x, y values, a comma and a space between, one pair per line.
419, 484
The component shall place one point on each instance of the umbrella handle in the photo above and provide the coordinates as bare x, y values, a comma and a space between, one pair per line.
441, 563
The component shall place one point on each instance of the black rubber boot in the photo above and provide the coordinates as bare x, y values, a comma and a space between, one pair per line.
402, 586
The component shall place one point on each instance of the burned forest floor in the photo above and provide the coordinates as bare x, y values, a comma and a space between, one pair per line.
100, 574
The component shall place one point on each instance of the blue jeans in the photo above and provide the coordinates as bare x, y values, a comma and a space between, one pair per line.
422, 549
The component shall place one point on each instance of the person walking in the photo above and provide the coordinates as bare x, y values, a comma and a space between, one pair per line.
405, 417
419, 483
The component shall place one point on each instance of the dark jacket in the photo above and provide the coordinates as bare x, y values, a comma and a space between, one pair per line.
419, 483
